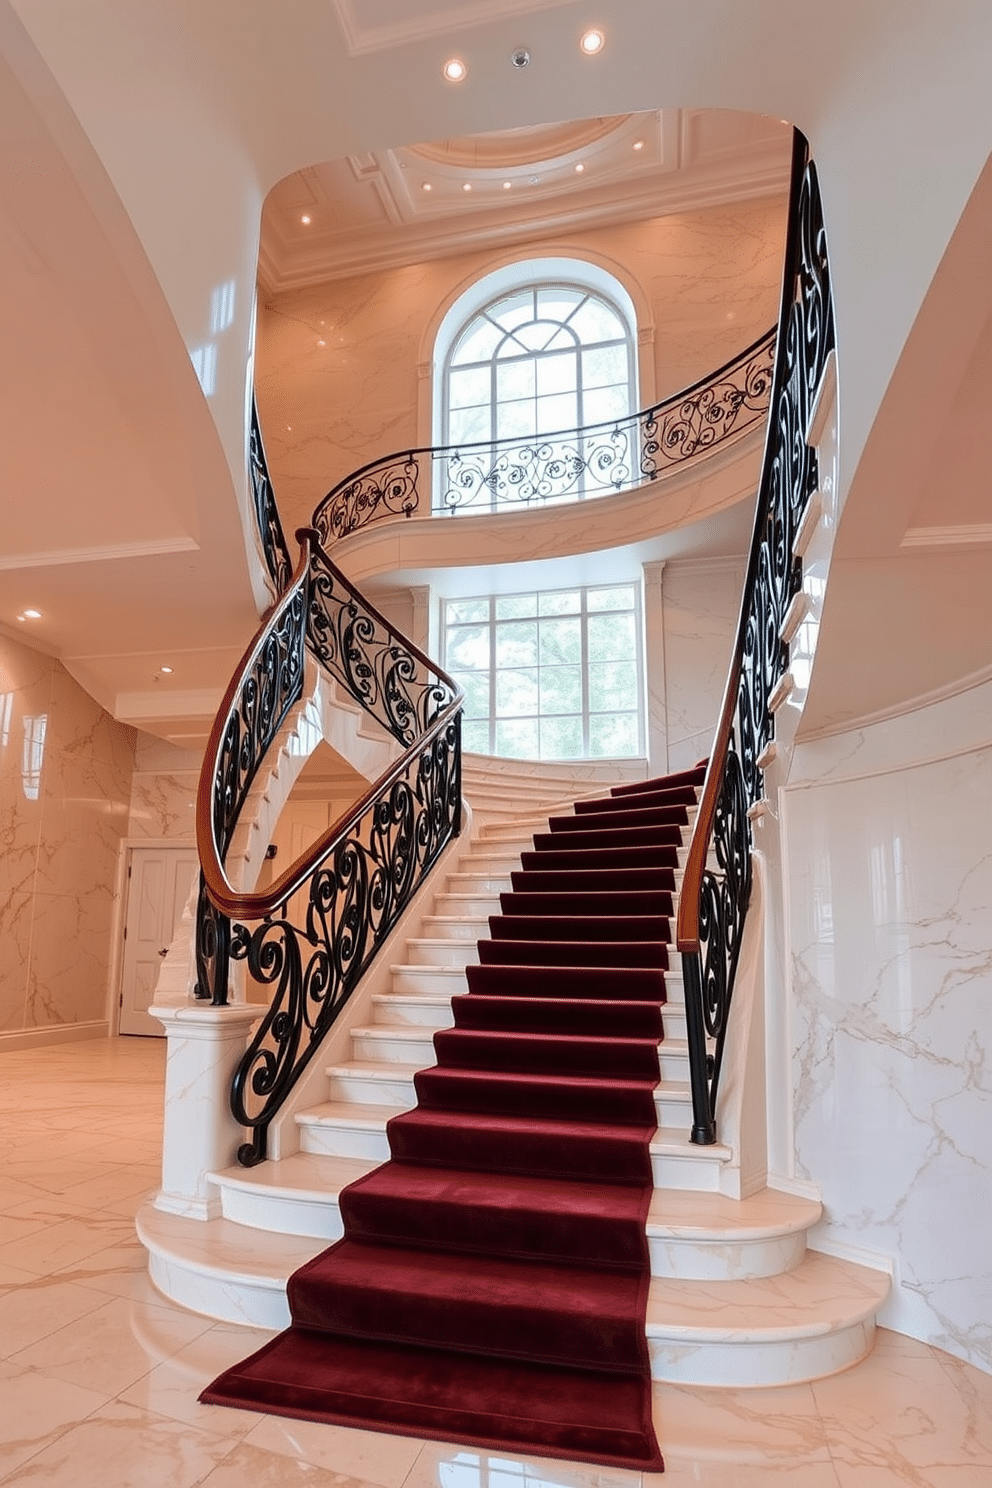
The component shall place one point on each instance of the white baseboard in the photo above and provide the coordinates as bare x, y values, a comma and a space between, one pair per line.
875, 1260
801, 1188
55, 1033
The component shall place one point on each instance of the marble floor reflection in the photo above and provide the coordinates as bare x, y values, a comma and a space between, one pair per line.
99, 1374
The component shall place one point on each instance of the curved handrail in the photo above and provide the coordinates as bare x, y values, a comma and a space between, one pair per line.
714, 899
275, 549
359, 876
594, 460
211, 844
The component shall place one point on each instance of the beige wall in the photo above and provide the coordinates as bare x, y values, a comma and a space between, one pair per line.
63, 812
705, 284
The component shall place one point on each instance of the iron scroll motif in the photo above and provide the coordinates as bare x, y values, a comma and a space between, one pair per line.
735, 781
577, 464
270, 684
275, 550
325, 937
372, 661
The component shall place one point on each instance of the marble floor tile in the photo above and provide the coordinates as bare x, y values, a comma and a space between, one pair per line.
99, 1384
41, 1307
35, 1410
125, 1448
370, 1456
112, 1347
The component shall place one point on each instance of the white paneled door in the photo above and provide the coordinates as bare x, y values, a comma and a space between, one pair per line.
159, 882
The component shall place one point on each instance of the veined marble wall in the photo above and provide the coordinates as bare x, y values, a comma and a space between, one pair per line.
163, 790
336, 365
889, 857
65, 785
700, 604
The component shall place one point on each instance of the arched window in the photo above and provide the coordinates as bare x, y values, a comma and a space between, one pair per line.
547, 357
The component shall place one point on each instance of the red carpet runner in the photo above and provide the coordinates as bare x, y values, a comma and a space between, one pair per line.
492, 1283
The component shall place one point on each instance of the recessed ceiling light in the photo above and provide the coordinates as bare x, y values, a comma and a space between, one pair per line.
455, 70
534, 180
427, 186
520, 57
31, 614
466, 185
638, 144
579, 168
507, 185
321, 341
592, 41
166, 670
305, 219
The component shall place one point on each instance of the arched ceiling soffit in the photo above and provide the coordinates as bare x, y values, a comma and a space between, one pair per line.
415, 202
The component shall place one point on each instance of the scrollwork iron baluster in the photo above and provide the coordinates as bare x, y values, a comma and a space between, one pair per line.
716, 894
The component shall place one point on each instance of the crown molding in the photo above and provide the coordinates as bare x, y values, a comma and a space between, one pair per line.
367, 26
357, 252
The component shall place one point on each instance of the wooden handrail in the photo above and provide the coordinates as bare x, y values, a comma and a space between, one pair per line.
260, 904
687, 935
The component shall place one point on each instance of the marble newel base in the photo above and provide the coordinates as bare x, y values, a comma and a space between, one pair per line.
201, 1135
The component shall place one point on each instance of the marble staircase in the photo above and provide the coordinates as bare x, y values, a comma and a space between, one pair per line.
736, 1298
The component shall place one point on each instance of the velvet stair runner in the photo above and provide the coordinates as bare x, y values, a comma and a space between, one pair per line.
492, 1283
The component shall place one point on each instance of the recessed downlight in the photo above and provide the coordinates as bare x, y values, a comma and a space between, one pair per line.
31, 614
466, 185
454, 70
579, 168
592, 41
507, 185
638, 144
426, 186
306, 219
167, 670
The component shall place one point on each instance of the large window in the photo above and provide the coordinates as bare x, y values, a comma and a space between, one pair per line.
544, 358
549, 676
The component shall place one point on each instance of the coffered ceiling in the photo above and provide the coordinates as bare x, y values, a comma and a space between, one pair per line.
402, 205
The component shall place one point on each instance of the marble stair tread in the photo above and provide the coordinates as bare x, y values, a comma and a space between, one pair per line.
673, 1141
220, 1248
676, 1213
820, 1296
349, 1113
305, 1176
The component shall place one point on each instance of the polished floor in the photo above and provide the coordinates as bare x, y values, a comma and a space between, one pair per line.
99, 1374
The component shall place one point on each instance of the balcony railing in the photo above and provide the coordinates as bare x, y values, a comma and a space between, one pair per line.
548, 469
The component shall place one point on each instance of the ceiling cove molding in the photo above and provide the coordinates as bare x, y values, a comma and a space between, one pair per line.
965, 534
379, 25
151, 548
355, 252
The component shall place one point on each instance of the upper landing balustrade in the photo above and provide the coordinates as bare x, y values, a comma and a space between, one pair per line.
549, 469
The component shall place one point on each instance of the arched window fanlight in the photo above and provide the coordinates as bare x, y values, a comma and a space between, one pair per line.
545, 357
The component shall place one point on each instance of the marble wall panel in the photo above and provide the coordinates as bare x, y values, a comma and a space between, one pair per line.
338, 365
700, 605
890, 886
163, 804
65, 784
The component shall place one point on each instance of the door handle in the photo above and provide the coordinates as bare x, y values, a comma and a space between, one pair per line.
165, 952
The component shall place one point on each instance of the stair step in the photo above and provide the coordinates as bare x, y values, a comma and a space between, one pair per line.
346, 1129
452, 927
394, 1044
470, 906
434, 951
411, 978
296, 1196
797, 1325
374, 1083
708, 1237
414, 1010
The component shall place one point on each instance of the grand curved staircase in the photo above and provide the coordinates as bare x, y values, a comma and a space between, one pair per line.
515, 973
736, 1298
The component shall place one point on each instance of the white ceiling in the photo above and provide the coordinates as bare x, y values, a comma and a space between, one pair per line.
384, 208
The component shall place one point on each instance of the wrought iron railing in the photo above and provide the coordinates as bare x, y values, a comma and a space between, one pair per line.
275, 549
716, 886
309, 937
597, 460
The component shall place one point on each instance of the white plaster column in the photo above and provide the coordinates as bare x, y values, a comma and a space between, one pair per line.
656, 691
201, 1135
420, 594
